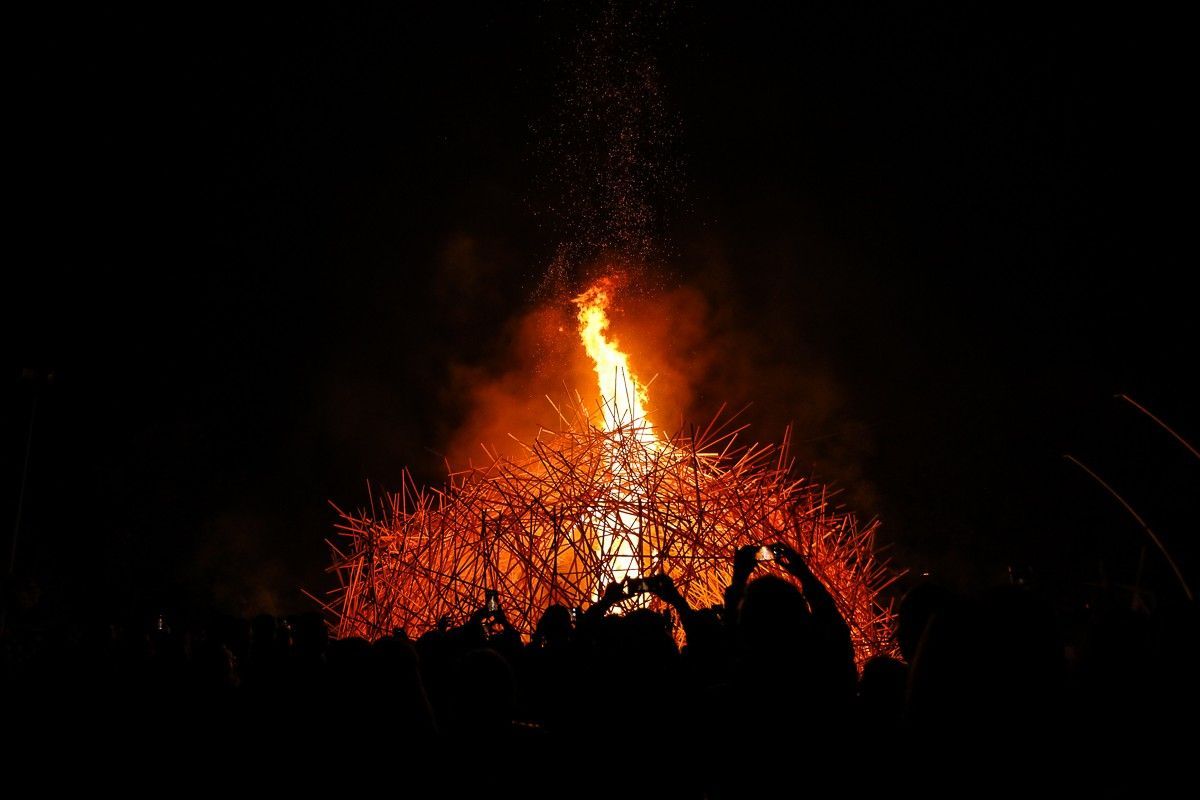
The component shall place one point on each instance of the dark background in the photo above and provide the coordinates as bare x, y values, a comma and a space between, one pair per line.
231, 232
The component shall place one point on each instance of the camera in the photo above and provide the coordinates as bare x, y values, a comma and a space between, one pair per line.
635, 586
493, 601
764, 554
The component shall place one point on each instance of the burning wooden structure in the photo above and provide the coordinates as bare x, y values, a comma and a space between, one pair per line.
601, 497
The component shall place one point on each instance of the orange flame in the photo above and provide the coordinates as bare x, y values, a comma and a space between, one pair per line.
596, 505
624, 397
624, 401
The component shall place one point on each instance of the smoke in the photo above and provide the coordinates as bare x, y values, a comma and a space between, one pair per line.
536, 359
700, 345
611, 193
239, 564
707, 345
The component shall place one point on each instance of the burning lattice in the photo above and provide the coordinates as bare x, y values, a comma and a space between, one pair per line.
587, 506
603, 497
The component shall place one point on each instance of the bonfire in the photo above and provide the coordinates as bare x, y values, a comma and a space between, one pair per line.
600, 496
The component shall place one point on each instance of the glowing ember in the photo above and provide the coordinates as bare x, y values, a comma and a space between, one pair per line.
602, 498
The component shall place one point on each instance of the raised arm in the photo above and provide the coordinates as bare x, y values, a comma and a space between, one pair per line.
744, 562
819, 599
664, 587
613, 594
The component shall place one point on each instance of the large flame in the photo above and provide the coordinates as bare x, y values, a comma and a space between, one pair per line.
623, 399
599, 501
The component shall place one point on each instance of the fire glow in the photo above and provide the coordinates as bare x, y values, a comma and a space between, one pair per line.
623, 400
602, 497
623, 397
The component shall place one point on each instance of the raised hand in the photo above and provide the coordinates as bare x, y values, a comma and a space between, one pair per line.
663, 586
787, 557
613, 594
500, 617
744, 562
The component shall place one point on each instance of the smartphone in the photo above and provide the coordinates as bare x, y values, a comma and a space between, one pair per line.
493, 602
765, 554
635, 586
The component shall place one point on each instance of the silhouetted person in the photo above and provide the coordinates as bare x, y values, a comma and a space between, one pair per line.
982, 695
436, 655
349, 660
881, 694
706, 654
401, 693
554, 629
783, 634
549, 669
214, 668
918, 606
989, 663
263, 671
792, 690
484, 697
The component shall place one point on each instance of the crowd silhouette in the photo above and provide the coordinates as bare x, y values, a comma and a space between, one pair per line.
994, 693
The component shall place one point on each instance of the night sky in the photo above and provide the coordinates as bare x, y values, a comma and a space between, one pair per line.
274, 255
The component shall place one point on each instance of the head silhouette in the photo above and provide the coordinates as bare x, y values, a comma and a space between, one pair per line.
772, 618
554, 628
486, 695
